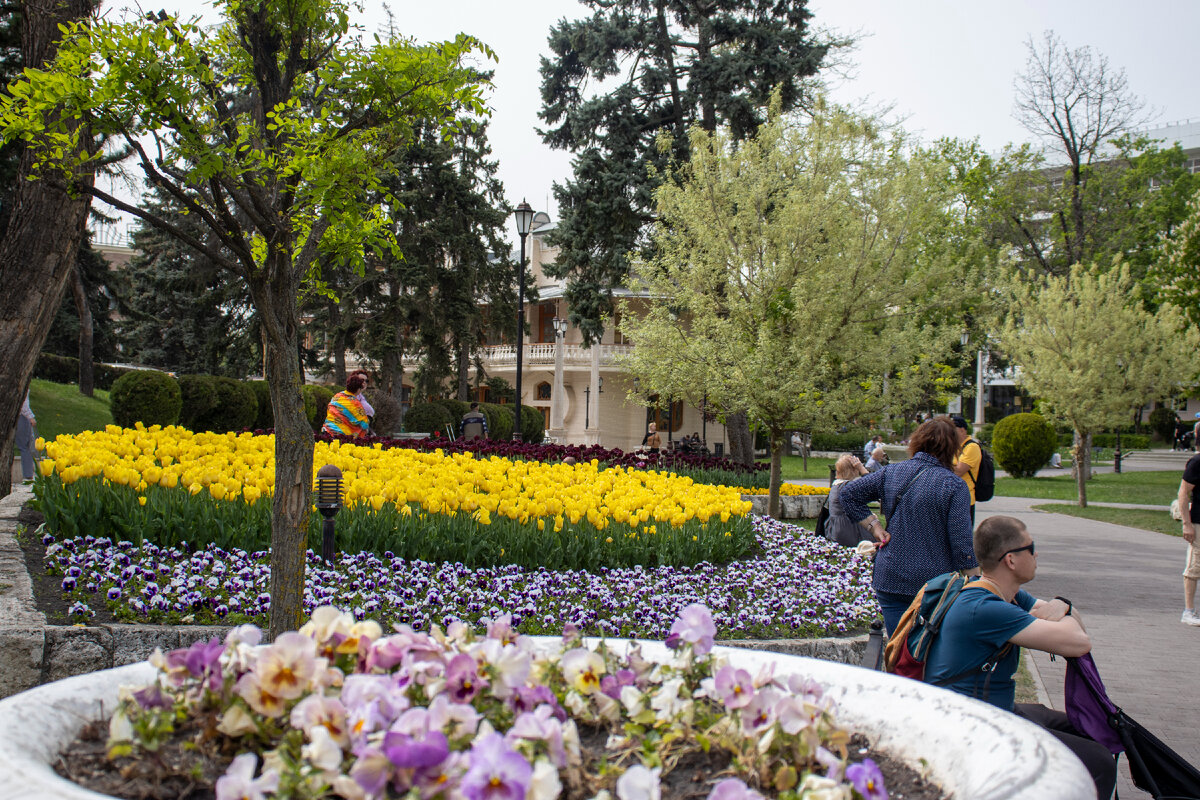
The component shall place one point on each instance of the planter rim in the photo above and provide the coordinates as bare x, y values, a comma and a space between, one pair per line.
974, 750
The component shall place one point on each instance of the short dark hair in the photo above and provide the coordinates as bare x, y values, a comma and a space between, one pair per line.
474, 406
356, 382
994, 537
937, 438
959, 422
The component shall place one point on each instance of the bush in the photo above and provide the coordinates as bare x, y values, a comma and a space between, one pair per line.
387, 411
987, 432
1023, 443
236, 407
533, 425
848, 442
146, 396
499, 419
455, 408
198, 395
64, 369
265, 420
1162, 421
316, 403
1129, 441
427, 418
105, 375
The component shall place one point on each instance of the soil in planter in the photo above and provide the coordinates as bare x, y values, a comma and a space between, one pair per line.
185, 770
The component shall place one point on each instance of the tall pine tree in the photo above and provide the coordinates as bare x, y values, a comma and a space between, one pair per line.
660, 66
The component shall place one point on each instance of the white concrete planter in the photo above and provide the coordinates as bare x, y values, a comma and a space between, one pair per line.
973, 750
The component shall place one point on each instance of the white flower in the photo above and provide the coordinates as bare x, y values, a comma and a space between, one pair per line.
322, 751
817, 788
582, 669
239, 783
545, 784
639, 783
119, 729
576, 704
667, 703
236, 721
326, 621
633, 700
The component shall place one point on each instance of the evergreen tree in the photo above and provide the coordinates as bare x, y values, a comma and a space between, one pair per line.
664, 65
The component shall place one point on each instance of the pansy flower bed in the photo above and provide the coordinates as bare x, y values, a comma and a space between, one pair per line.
798, 585
341, 709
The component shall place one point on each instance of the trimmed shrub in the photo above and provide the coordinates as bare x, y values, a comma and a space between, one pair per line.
105, 375
987, 432
316, 403
146, 396
427, 418
265, 420
1023, 443
1129, 441
1162, 422
533, 425
387, 411
455, 408
849, 442
64, 369
236, 407
499, 419
198, 395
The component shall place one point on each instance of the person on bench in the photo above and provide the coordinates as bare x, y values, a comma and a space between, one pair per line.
983, 633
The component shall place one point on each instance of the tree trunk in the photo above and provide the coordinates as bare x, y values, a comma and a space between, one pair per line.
777, 445
276, 302
741, 443
464, 362
86, 370
41, 243
1082, 462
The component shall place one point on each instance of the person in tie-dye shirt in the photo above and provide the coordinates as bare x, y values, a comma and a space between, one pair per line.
349, 411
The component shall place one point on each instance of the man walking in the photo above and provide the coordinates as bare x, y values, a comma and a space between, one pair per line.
978, 650
970, 456
1189, 512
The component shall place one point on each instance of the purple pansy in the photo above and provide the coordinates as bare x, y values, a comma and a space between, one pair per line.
867, 780
497, 772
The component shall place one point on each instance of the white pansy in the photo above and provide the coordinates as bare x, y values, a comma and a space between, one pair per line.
633, 700
322, 751
545, 784
639, 783
236, 721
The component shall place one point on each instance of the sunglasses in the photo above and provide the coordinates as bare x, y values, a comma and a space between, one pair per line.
1028, 547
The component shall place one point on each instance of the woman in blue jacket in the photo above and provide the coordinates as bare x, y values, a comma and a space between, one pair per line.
928, 509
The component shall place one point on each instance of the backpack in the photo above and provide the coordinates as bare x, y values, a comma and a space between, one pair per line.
908, 646
822, 520
985, 481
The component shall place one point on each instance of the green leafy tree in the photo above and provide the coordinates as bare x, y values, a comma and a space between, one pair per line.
1177, 272
1090, 355
274, 129
658, 66
792, 276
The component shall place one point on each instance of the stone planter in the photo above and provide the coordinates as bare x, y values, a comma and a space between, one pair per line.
973, 750
797, 506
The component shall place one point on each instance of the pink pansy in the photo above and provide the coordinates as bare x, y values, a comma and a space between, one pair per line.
639, 783
328, 712
694, 626
795, 714
453, 719
760, 711
507, 664
734, 686
733, 789
540, 726
287, 667
371, 769
463, 680
239, 783
501, 628
497, 772
582, 669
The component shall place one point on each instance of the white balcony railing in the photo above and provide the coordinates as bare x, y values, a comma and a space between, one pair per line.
543, 354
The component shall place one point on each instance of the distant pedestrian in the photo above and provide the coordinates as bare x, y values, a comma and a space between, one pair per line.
474, 424
878, 460
349, 412
970, 456
652, 440
1196, 434
26, 436
869, 447
1189, 511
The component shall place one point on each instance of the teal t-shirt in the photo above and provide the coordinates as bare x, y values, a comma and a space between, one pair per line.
975, 627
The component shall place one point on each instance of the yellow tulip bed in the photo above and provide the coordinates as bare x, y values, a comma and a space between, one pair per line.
789, 489
169, 485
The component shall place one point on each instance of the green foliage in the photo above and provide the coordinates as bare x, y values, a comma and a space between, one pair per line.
265, 420
171, 516
1023, 443
499, 420
427, 418
1162, 422
987, 432
65, 369
145, 396
500, 389
198, 395
533, 425
1177, 274
455, 408
316, 403
851, 441
236, 407
387, 419
1129, 441
617, 79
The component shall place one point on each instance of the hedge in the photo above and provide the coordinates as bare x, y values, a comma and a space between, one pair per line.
316, 403
265, 420
145, 396
1129, 441
428, 418
198, 396
65, 369
236, 407
533, 425
499, 420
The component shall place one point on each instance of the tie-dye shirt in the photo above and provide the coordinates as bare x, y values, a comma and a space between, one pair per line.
347, 415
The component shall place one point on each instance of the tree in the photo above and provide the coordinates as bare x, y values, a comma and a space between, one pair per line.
1177, 271
1076, 105
664, 66
273, 129
793, 274
45, 223
1090, 355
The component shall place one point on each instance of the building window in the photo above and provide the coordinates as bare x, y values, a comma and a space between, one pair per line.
545, 323
1193, 165
542, 391
665, 421
618, 337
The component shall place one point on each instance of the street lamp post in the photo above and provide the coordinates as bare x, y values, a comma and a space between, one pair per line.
524, 217
557, 400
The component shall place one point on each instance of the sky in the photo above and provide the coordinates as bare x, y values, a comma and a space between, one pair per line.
944, 67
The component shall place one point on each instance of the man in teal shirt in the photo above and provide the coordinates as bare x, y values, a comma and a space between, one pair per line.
978, 649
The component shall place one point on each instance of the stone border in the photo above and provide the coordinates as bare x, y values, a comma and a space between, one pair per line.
796, 506
33, 652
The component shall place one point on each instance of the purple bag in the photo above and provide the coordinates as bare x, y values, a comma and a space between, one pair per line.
1088, 706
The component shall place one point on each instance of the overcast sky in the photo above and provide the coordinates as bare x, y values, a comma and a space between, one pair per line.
945, 66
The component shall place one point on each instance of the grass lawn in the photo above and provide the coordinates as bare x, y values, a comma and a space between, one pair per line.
1156, 488
818, 469
60, 408
1157, 521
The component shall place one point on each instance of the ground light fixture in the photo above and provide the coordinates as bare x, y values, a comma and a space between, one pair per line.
329, 503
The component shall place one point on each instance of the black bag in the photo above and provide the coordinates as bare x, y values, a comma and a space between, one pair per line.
985, 481
823, 519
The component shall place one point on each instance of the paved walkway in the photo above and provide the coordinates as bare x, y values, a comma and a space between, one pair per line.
1127, 585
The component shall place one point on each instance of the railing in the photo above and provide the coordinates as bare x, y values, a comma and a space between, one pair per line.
543, 354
